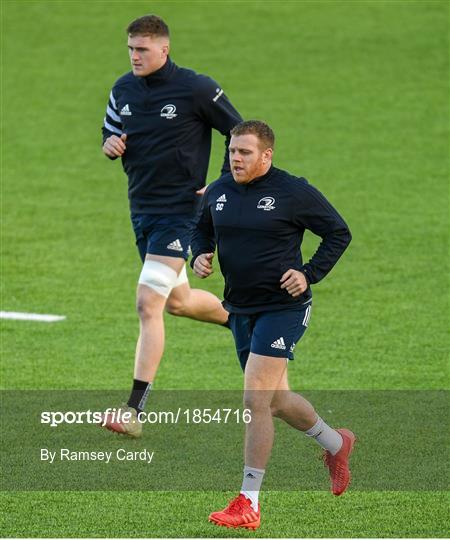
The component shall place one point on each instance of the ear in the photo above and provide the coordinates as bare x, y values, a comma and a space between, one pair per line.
267, 155
165, 49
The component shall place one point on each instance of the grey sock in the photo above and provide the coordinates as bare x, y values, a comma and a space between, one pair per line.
251, 484
326, 436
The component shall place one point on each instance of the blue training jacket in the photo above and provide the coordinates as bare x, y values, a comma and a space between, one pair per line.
168, 117
258, 229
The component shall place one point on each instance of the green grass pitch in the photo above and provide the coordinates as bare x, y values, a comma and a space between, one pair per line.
357, 94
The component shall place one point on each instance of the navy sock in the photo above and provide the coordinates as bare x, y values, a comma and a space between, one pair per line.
139, 394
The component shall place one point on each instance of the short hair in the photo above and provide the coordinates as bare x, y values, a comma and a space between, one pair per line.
255, 127
148, 25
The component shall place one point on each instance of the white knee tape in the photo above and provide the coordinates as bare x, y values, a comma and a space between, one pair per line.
182, 277
158, 276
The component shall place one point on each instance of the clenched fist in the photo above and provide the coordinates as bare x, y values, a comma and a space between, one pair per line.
114, 146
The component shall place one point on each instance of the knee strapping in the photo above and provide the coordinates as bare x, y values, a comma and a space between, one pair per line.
158, 276
182, 277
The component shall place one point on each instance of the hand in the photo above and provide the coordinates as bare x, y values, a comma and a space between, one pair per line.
201, 191
203, 265
114, 146
294, 282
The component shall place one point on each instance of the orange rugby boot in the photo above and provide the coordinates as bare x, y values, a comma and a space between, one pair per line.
239, 513
340, 475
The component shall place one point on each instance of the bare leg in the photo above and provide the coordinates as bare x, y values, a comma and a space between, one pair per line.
291, 407
150, 345
262, 377
150, 307
196, 304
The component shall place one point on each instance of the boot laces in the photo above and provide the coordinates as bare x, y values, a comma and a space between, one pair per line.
237, 505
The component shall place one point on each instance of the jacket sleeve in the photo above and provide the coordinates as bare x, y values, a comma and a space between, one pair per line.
112, 124
313, 212
203, 238
214, 108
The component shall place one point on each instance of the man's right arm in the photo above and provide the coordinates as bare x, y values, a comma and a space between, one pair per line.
203, 242
113, 136
115, 146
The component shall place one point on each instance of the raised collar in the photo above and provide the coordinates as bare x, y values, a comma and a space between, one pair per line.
262, 178
162, 74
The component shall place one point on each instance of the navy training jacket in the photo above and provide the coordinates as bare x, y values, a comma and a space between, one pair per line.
258, 229
168, 117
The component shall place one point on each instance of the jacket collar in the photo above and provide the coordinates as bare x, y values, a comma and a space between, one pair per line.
262, 178
162, 74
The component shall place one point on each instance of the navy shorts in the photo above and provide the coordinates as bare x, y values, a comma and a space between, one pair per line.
168, 235
269, 333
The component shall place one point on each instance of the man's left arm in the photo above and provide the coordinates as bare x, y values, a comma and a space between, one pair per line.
214, 107
314, 212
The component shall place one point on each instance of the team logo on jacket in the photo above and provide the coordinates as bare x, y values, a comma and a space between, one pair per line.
125, 111
168, 111
220, 202
266, 203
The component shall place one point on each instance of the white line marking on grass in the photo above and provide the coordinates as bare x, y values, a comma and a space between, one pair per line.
16, 316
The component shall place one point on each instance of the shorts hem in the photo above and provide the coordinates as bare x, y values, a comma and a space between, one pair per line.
162, 252
276, 354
